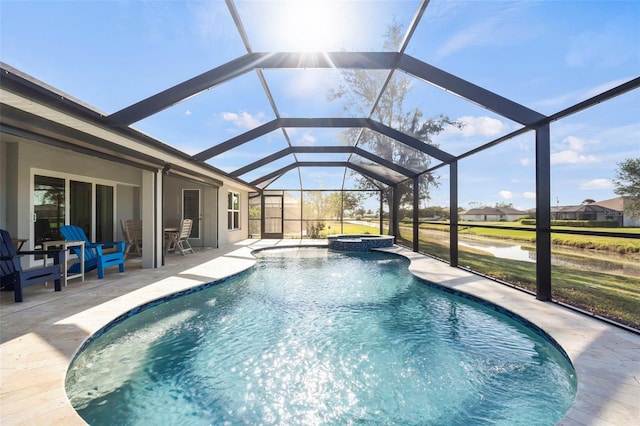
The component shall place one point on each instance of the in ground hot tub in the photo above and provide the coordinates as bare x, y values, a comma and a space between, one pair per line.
356, 242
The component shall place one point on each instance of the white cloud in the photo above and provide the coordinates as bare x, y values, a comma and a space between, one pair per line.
478, 126
574, 143
471, 36
570, 152
506, 194
569, 98
597, 184
499, 29
525, 161
306, 139
571, 157
187, 113
244, 120
529, 194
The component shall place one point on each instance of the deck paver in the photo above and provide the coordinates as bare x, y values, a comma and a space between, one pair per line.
39, 337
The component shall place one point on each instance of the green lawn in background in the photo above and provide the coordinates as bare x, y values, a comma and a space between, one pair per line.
333, 227
616, 245
616, 297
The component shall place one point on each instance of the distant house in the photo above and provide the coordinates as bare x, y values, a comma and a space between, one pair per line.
614, 209
492, 214
585, 212
621, 206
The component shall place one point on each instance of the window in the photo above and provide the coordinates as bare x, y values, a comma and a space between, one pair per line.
233, 211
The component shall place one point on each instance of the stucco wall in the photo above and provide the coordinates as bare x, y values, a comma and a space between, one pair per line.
3, 184
227, 236
172, 209
127, 206
24, 157
19, 159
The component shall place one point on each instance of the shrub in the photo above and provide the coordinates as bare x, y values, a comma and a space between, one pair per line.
586, 223
314, 229
577, 223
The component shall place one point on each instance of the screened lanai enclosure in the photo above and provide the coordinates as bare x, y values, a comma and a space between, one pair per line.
457, 127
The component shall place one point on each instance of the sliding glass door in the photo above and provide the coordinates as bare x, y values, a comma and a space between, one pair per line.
49, 197
80, 205
86, 204
104, 213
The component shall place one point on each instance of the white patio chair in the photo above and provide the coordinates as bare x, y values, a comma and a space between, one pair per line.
183, 239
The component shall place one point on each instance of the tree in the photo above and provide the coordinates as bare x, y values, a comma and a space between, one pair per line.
359, 91
476, 205
314, 205
587, 201
322, 205
503, 204
337, 202
627, 184
359, 212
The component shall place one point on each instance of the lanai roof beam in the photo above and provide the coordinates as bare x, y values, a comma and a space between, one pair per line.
323, 149
324, 122
339, 60
292, 166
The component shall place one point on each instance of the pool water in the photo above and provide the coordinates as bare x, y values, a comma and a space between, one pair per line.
313, 337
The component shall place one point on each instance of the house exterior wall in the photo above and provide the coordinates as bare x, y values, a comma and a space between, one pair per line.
231, 236
12, 187
210, 217
127, 206
173, 188
3, 184
490, 217
24, 158
589, 215
514, 217
20, 159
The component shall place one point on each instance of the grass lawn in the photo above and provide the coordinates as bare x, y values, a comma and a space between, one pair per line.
611, 296
332, 228
616, 245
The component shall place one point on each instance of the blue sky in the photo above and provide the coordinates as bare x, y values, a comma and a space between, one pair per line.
546, 55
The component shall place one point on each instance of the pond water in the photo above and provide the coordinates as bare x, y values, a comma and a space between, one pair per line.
514, 252
562, 256
310, 336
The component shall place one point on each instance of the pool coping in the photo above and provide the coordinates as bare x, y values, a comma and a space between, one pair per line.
40, 337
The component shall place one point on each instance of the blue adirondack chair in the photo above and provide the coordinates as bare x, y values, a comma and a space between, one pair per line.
13, 277
94, 256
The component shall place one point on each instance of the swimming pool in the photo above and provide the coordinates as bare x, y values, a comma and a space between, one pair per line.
310, 336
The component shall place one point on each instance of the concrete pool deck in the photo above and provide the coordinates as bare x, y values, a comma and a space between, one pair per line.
39, 337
